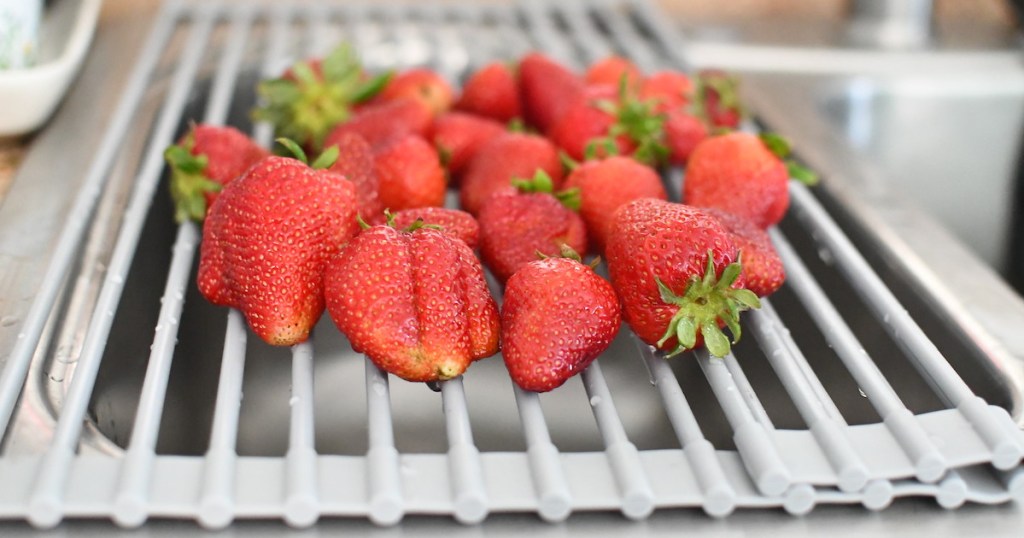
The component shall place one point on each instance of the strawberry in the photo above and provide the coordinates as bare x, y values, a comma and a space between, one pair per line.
492, 92
202, 162
610, 71
671, 90
546, 89
454, 222
267, 240
459, 135
410, 174
382, 123
514, 227
739, 173
605, 185
558, 315
676, 272
313, 96
717, 99
415, 302
763, 273
355, 162
507, 156
423, 85
683, 132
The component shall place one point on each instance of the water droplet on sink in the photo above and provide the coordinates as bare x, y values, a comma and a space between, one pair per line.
595, 401
116, 279
861, 391
826, 256
294, 400
7, 321
378, 389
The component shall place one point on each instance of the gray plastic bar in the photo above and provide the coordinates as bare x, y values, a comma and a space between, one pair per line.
929, 464
719, 498
756, 448
592, 48
659, 27
623, 457
301, 504
133, 488
384, 477
16, 368
554, 502
467, 476
545, 34
622, 31
999, 434
45, 501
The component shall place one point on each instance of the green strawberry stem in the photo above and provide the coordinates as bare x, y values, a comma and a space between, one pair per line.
542, 182
707, 302
189, 182
294, 148
639, 121
780, 147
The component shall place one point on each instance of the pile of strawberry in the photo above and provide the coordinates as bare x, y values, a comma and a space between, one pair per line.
550, 166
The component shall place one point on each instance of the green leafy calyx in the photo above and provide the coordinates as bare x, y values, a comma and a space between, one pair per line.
189, 182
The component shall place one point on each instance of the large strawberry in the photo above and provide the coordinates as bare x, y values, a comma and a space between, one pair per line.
267, 239
313, 96
676, 271
355, 162
410, 174
605, 185
423, 85
547, 89
202, 162
458, 136
763, 272
507, 157
414, 301
514, 227
743, 174
453, 222
382, 123
558, 315
492, 92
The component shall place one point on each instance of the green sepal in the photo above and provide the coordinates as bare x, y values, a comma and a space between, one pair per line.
326, 159
540, 182
370, 88
570, 198
777, 144
639, 121
801, 173
725, 86
295, 149
363, 225
189, 183
516, 125
568, 163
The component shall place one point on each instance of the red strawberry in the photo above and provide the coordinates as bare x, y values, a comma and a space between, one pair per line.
737, 172
314, 96
424, 85
506, 157
410, 174
492, 92
718, 99
459, 135
202, 162
547, 89
671, 90
266, 241
607, 184
454, 222
610, 71
558, 315
355, 162
415, 302
385, 122
674, 268
515, 227
763, 272
683, 132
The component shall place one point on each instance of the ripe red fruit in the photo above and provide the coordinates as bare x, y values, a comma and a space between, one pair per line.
424, 85
674, 268
607, 184
738, 173
557, 317
492, 92
670, 90
313, 96
453, 222
458, 136
266, 241
515, 227
506, 157
202, 162
415, 302
355, 162
547, 89
683, 132
410, 174
763, 272
610, 71
385, 122
718, 100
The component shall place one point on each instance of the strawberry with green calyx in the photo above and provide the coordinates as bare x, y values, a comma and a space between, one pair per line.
558, 316
507, 156
763, 272
453, 222
717, 99
314, 96
415, 302
202, 162
778, 145
542, 182
410, 174
678, 275
492, 92
424, 85
267, 239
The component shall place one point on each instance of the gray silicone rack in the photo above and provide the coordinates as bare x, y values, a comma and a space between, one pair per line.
965, 450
